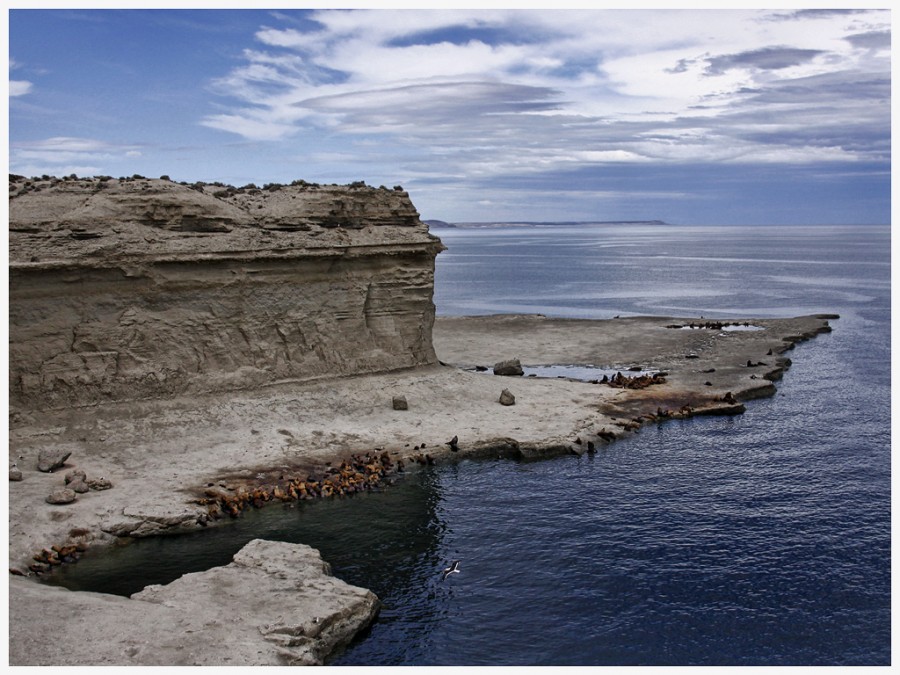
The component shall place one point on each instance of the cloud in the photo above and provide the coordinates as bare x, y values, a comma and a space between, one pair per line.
19, 87
769, 58
493, 93
876, 39
64, 155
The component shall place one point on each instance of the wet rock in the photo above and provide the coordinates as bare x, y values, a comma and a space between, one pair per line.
61, 496
15, 473
507, 398
48, 460
399, 403
512, 367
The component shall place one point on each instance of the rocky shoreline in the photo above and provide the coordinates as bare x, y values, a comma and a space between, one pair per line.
182, 352
181, 464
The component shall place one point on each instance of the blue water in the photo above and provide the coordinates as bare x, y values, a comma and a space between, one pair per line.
762, 539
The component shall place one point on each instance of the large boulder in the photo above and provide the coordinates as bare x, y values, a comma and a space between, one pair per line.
50, 459
510, 367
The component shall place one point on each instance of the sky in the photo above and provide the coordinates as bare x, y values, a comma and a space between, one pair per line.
689, 116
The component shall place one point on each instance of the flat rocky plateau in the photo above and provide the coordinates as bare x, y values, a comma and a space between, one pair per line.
176, 463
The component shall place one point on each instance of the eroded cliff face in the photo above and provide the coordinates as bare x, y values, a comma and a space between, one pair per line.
136, 288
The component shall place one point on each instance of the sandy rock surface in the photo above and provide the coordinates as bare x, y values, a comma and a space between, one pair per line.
275, 604
160, 455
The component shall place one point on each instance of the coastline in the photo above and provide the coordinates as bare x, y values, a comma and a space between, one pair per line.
159, 454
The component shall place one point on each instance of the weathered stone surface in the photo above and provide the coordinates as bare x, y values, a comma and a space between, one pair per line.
507, 398
61, 496
205, 289
511, 367
75, 475
275, 604
50, 459
399, 403
99, 483
78, 485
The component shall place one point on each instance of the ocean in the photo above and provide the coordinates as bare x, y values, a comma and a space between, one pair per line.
762, 539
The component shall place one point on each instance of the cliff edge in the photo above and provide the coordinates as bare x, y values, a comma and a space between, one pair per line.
132, 288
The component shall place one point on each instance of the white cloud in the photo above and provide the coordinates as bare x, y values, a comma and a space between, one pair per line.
19, 87
249, 125
517, 91
64, 155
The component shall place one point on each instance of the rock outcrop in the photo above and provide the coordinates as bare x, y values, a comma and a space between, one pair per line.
134, 288
275, 604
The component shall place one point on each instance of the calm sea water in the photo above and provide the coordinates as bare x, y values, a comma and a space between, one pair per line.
757, 540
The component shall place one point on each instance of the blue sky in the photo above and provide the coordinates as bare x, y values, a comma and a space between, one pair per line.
689, 116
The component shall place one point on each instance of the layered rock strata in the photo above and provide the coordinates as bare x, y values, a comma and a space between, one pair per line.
136, 288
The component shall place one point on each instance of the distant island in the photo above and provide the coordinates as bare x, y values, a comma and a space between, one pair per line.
439, 224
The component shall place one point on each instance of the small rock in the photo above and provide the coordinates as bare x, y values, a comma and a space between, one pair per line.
61, 496
48, 460
400, 403
15, 473
511, 367
75, 475
507, 398
78, 485
99, 483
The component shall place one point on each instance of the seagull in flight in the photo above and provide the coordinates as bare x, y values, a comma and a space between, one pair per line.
453, 569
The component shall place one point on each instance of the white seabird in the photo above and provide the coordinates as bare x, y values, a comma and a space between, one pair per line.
453, 569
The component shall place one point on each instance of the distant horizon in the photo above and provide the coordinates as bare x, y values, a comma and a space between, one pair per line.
475, 224
771, 116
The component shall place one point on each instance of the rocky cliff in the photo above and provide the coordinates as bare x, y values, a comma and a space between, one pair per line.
133, 288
